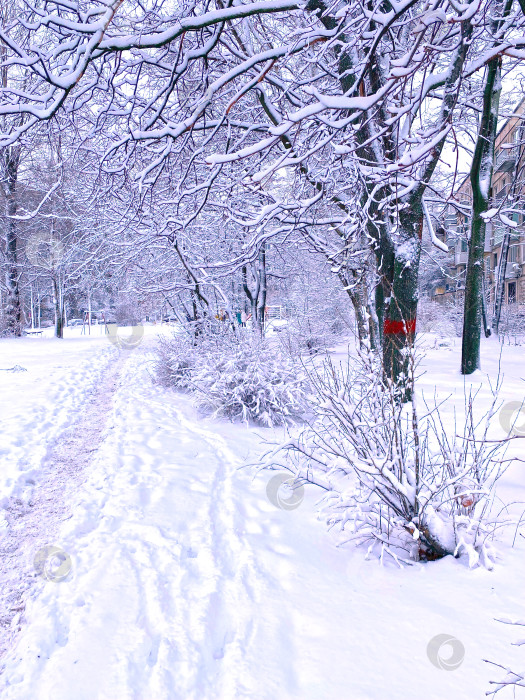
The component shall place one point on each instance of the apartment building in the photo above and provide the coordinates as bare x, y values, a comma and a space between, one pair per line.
509, 161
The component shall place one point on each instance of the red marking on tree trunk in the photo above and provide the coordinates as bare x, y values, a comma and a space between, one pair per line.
399, 327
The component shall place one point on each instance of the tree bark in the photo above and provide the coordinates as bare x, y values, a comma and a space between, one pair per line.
352, 281
10, 162
399, 325
396, 247
480, 178
262, 289
257, 296
59, 308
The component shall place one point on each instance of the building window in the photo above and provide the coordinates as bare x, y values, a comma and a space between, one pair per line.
513, 252
495, 260
512, 293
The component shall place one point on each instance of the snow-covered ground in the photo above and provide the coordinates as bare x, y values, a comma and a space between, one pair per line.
44, 383
186, 582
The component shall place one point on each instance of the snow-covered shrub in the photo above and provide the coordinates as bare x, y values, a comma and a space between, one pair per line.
394, 480
512, 324
175, 358
317, 308
236, 375
250, 382
444, 318
311, 336
436, 317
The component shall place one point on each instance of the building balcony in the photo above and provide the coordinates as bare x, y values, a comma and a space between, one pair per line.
512, 270
505, 159
498, 231
460, 257
489, 232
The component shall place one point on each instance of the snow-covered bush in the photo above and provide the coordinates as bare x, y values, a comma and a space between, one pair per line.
394, 480
438, 318
236, 375
318, 310
304, 336
175, 358
250, 382
512, 324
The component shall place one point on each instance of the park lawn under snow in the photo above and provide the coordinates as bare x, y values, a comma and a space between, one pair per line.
187, 583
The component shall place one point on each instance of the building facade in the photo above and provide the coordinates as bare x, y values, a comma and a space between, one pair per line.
507, 189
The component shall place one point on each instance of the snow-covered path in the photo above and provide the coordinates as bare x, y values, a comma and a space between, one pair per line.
51, 418
187, 584
164, 600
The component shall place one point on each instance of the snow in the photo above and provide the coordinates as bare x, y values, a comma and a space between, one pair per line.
243, 153
507, 221
38, 404
188, 24
188, 583
435, 240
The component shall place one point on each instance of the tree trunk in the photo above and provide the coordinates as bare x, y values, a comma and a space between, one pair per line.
354, 287
480, 178
373, 324
59, 308
11, 160
257, 296
262, 289
399, 324
499, 293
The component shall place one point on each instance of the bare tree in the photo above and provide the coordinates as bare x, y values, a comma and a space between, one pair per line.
356, 101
